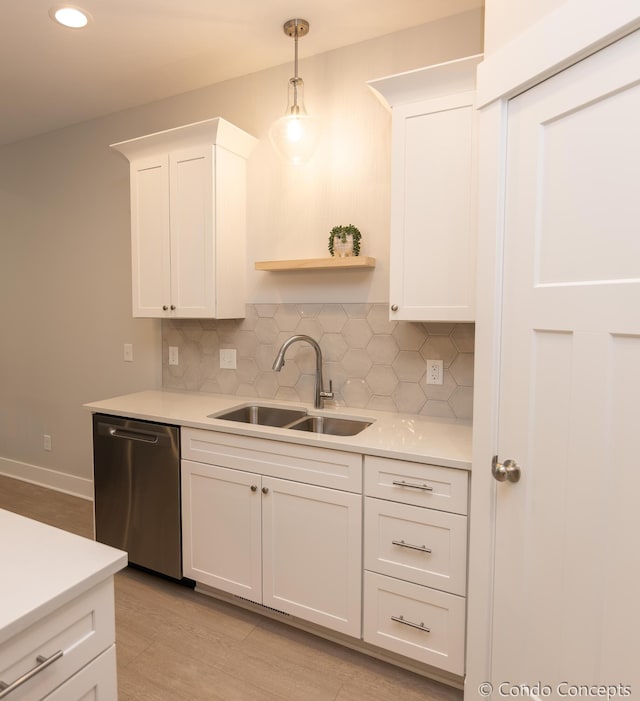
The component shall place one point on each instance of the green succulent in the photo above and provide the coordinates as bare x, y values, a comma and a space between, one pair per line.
342, 232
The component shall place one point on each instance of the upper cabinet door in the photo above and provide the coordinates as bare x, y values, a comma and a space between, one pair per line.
432, 272
150, 248
433, 192
192, 232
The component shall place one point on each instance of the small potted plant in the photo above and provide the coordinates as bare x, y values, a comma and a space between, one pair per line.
344, 241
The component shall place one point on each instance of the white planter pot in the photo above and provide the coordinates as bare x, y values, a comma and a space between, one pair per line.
343, 249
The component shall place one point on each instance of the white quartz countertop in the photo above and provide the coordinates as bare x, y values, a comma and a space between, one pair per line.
437, 441
43, 568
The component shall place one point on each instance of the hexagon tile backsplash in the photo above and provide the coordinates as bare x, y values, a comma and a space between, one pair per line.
373, 362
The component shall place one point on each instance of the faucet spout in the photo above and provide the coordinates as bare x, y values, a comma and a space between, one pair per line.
319, 393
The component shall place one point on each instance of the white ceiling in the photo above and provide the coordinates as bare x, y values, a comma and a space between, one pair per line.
138, 51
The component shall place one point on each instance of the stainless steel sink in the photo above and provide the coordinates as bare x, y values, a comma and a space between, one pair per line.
330, 425
262, 415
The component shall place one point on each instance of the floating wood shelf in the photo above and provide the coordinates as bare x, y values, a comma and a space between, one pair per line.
317, 263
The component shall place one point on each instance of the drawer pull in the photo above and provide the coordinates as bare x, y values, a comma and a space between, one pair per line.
421, 548
424, 487
419, 626
43, 663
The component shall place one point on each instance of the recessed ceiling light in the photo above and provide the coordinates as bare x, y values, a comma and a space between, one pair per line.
70, 16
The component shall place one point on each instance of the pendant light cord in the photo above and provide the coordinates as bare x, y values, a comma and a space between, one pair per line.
295, 70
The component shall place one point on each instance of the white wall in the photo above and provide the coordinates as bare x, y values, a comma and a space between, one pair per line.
64, 226
505, 19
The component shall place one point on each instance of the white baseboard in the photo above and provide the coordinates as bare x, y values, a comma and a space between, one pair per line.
44, 477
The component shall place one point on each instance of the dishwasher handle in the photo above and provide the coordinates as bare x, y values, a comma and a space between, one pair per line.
129, 434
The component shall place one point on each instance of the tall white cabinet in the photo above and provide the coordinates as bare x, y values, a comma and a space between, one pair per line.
188, 220
433, 191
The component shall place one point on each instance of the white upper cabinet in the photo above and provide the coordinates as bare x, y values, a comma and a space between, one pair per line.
188, 220
433, 191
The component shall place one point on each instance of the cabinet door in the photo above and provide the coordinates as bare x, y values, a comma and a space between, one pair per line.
150, 248
432, 273
191, 219
312, 555
221, 528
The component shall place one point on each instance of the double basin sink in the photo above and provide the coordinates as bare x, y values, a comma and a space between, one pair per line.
295, 419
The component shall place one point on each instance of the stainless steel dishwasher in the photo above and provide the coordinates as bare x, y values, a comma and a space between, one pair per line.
137, 491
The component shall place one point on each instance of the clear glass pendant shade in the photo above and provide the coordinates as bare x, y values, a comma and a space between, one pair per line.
295, 135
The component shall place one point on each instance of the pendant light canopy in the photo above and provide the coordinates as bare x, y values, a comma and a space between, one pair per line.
295, 134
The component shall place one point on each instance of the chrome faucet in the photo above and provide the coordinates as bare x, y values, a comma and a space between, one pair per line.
319, 394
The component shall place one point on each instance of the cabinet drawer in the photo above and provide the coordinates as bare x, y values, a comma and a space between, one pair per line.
302, 463
419, 545
443, 488
81, 629
386, 600
98, 681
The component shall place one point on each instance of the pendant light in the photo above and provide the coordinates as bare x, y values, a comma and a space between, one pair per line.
295, 134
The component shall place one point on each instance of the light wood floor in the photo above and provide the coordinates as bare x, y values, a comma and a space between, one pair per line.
174, 644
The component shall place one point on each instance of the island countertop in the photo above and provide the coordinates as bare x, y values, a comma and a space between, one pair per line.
439, 441
45, 567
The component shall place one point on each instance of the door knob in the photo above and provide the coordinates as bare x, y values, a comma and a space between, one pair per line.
507, 471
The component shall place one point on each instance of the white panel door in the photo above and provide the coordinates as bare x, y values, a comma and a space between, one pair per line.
192, 233
221, 542
150, 247
312, 553
566, 607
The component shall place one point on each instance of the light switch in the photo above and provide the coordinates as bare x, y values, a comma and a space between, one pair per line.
128, 352
228, 358
173, 355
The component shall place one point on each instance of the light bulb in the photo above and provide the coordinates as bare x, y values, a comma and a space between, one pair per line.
295, 130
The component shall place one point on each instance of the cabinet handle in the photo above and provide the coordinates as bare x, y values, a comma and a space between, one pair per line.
173, 307
419, 626
424, 487
165, 308
394, 307
254, 487
265, 490
421, 548
43, 663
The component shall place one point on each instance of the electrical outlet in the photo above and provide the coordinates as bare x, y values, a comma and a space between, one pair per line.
128, 352
435, 372
173, 355
228, 358
46, 443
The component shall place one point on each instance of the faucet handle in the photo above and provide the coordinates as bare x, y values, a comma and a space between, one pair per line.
329, 394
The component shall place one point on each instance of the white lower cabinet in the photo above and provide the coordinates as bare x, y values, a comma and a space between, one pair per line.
292, 546
263, 520
78, 640
415, 560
